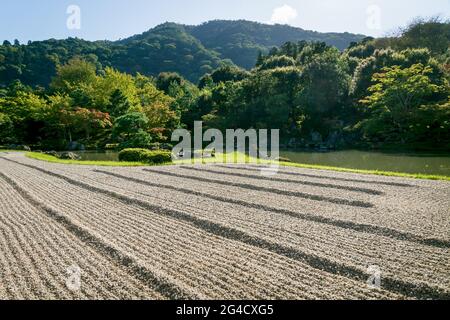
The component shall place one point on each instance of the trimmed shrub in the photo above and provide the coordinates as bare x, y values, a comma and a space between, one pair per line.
145, 155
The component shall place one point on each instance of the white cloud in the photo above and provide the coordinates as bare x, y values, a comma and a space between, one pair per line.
283, 14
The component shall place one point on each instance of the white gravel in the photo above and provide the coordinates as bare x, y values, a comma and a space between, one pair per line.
219, 232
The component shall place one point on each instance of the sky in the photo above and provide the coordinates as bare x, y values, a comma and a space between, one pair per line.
115, 19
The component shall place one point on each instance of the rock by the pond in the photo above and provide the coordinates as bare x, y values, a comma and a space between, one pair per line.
292, 143
316, 137
69, 156
19, 147
75, 146
282, 159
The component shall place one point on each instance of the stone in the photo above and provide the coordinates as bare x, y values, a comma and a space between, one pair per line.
316, 137
69, 156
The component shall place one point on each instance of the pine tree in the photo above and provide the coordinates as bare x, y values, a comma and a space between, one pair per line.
119, 104
260, 59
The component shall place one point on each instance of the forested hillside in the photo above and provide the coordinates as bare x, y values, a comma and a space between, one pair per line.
188, 50
241, 41
377, 93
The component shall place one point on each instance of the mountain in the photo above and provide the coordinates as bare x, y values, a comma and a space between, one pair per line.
189, 50
240, 41
167, 47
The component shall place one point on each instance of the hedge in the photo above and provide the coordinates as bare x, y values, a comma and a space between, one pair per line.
145, 155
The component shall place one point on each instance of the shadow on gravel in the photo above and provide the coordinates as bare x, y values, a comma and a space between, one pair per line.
420, 291
364, 228
298, 174
167, 289
306, 183
353, 203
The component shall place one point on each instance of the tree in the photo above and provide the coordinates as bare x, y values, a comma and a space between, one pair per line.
266, 99
228, 73
130, 130
395, 99
206, 82
77, 72
433, 34
119, 104
23, 110
166, 79
111, 81
6, 128
325, 85
89, 120
160, 116
61, 114
277, 62
159, 108
259, 59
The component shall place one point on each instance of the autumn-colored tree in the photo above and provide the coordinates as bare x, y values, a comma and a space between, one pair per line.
89, 120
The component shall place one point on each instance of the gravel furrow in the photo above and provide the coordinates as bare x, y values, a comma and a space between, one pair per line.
268, 189
421, 210
348, 247
223, 232
295, 182
42, 266
323, 176
276, 276
365, 228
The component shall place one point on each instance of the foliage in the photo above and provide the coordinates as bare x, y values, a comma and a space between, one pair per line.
146, 156
277, 62
405, 103
432, 33
81, 106
241, 41
166, 79
135, 92
191, 51
130, 131
76, 73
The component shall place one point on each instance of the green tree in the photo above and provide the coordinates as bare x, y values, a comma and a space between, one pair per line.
277, 62
395, 99
77, 72
166, 79
130, 130
6, 128
324, 91
111, 81
119, 104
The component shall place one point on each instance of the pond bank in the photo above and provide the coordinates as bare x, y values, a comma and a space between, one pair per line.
411, 162
48, 158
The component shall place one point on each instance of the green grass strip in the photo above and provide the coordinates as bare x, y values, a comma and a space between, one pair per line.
52, 159
232, 158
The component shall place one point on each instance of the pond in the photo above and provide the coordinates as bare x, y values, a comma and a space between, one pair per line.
98, 156
424, 163
371, 160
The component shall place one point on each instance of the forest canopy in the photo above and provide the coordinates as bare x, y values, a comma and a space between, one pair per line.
376, 93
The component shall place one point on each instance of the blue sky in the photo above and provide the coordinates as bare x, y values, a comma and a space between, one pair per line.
113, 19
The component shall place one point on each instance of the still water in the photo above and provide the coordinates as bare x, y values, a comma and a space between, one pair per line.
369, 160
